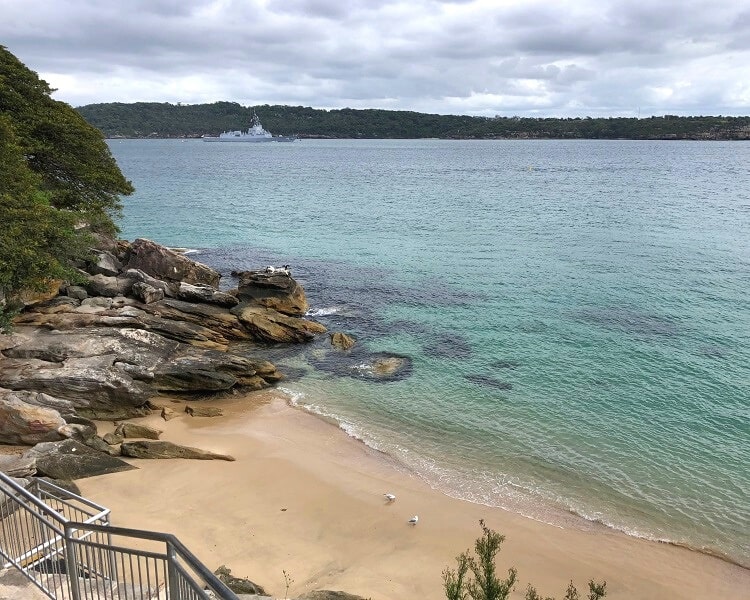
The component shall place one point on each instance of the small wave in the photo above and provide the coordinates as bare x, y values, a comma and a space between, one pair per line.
185, 250
323, 312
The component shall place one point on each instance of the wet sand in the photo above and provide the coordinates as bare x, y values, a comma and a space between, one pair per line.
305, 498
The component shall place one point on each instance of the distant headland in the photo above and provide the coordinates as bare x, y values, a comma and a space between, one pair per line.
164, 120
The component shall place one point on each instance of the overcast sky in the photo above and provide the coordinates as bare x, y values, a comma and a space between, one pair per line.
480, 57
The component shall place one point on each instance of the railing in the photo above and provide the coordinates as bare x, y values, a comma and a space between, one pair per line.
65, 546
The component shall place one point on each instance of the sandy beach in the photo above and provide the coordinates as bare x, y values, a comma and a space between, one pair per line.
305, 498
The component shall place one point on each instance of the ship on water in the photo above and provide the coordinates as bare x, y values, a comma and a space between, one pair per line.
255, 133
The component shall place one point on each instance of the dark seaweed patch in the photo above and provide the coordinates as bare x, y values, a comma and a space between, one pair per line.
488, 381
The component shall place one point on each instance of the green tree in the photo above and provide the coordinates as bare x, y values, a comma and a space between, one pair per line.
486, 585
58, 180
76, 168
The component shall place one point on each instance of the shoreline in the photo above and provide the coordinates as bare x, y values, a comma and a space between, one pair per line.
305, 497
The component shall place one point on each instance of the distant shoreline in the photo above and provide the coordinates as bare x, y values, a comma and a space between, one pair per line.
164, 120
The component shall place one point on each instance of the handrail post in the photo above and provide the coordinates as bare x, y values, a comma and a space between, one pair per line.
71, 564
173, 585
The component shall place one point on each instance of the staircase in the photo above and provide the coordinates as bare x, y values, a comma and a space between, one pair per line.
62, 547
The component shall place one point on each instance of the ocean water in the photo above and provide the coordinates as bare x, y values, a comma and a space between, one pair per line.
576, 313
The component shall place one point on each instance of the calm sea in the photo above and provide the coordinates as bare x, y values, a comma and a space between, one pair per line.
576, 313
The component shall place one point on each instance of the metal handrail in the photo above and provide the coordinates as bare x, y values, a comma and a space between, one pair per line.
172, 542
87, 553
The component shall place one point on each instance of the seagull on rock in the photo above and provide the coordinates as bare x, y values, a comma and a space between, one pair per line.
389, 497
414, 520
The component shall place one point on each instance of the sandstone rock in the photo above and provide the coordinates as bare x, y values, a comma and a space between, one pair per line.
341, 341
17, 465
204, 294
236, 584
147, 293
51, 289
165, 264
95, 389
77, 292
72, 460
278, 291
112, 438
105, 264
134, 430
269, 325
167, 413
102, 285
150, 449
204, 411
22, 423
139, 276
329, 595
64, 407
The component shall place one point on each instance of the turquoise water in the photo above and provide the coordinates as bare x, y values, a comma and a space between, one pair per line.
576, 312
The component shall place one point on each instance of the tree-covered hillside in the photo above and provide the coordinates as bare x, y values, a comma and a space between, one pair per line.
147, 119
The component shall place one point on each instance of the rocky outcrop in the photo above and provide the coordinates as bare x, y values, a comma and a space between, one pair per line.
272, 326
145, 320
150, 449
168, 265
276, 290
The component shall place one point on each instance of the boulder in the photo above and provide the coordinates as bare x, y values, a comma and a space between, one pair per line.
204, 294
341, 341
236, 584
77, 292
134, 430
51, 289
103, 285
105, 263
147, 293
139, 276
70, 459
112, 438
167, 265
22, 423
18, 465
203, 411
276, 290
151, 449
269, 325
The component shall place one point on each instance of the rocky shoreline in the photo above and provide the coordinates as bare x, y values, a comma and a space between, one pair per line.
144, 323
145, 320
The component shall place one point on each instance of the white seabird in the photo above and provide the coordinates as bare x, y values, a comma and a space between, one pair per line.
414, 520
390, 497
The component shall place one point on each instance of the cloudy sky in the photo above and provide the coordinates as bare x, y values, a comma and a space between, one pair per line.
481, 57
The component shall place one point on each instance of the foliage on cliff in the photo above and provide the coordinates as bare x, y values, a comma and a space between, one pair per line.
144, 119
56, 172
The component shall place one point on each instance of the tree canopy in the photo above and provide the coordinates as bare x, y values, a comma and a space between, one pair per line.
56, 174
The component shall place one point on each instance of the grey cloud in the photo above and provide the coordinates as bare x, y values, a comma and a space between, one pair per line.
577, 56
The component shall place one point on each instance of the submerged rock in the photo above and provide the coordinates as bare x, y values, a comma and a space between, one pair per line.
487, 381
341, 341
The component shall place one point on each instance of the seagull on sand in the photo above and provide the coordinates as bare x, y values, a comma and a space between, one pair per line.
414, 520
389, 497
